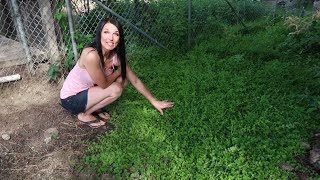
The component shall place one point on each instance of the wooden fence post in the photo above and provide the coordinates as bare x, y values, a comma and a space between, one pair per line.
48, 26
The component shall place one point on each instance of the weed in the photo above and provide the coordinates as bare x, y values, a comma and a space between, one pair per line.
237, 112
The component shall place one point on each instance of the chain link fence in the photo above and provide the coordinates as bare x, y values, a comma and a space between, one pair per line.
30, 39
40, 39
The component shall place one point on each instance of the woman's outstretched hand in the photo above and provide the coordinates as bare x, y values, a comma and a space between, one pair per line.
160, 105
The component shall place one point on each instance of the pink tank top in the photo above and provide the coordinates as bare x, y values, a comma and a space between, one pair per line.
115, 62
79, 80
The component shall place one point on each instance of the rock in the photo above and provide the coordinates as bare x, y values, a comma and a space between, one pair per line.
107, 177
49, 134
305, 145
314, 156
5, 137
287, 167
314, 159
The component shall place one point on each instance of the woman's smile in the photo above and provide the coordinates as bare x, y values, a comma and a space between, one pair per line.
110, 35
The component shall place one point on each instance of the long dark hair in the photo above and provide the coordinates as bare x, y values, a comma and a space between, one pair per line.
120, 50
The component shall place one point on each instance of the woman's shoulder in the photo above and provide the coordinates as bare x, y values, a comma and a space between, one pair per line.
89, 51
89, 55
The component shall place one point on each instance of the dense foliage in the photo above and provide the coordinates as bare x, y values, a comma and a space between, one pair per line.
240, 110
245, 97
166, 21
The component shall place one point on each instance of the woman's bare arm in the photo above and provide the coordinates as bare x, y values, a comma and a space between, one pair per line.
138, 84
91, 61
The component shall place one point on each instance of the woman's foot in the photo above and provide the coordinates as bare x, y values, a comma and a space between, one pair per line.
104, 115
90, 120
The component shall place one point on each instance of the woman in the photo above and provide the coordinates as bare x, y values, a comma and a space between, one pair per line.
96, 81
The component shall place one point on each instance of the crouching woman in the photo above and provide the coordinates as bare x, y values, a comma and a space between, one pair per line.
100, 75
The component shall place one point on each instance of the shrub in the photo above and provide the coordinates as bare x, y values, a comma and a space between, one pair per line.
304, 35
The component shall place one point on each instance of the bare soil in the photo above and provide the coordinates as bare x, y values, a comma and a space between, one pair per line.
27, 109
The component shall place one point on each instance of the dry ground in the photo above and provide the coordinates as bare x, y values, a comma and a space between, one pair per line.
27, 109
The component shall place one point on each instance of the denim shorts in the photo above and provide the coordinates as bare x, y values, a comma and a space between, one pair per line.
77, 103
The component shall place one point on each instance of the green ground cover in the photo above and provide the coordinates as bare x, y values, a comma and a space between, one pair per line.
239, 113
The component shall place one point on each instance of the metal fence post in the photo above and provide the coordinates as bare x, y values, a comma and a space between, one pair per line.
71, 28
21, 33
274, 12
236, 14
189, 22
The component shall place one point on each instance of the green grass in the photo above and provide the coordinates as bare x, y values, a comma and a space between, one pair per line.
237, 112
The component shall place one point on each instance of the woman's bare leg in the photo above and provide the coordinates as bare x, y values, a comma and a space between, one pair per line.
98, 98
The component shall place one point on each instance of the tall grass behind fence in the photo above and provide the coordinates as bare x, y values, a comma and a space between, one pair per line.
144, 22
165, 23
35, 35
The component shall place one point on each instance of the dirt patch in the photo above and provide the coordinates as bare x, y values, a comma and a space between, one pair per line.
28, 108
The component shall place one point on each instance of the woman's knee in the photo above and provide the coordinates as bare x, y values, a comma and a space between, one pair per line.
124, 83
116, 89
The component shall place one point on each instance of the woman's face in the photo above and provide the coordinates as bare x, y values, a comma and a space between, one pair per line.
110, 36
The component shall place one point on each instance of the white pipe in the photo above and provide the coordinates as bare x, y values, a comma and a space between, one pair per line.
14, 77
